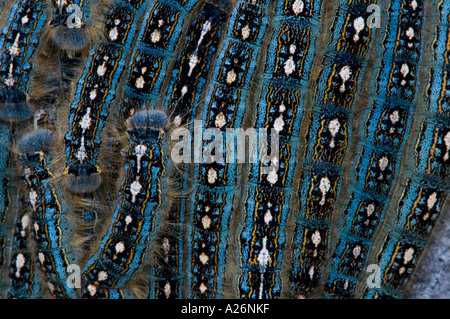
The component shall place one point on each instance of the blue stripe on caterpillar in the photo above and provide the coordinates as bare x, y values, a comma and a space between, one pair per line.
5, 197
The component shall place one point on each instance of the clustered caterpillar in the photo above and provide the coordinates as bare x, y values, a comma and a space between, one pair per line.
19, 42
425, 188
158, 38
64, 47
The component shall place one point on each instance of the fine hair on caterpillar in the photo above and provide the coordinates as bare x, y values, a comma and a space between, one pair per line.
60, 65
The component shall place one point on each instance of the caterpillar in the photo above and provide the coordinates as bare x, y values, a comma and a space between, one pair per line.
18, 43
72, 29
189, 76
424, 190
136, 216
378, 161
212, 204
45, 210
35, 150
193, 63
329, 134
267, 199
22, 276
